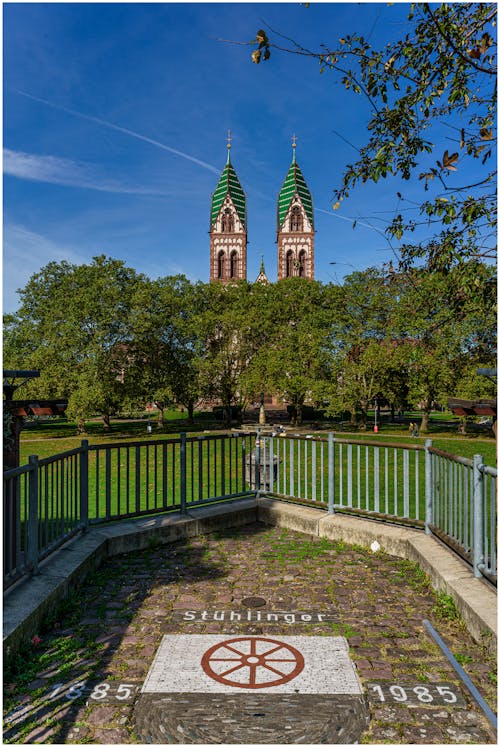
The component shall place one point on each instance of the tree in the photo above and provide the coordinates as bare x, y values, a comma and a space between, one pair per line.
441, 342
295, 361
73, 325
162, 347
441, 73
365, 357
226, 342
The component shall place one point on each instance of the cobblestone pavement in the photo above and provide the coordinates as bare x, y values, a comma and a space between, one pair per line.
79, 683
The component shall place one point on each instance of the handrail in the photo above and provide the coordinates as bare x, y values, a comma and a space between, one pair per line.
48, 500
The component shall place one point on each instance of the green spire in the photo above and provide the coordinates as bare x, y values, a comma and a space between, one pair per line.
294, 184
229, 185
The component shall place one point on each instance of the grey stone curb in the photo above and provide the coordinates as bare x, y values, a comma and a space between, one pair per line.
26, 604
475, 599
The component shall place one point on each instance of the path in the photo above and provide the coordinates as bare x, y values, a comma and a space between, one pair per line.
82, 680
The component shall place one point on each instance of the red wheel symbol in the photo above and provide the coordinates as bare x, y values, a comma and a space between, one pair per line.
252, 662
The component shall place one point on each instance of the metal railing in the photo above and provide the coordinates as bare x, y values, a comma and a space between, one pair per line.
447, 495
49, 500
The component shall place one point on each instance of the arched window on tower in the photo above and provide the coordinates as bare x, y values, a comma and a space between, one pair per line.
233, 264
289, 264
227, 221
302, 264
220, 264
296, 220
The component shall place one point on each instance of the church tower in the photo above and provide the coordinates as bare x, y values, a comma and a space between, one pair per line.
228, 227
295, 225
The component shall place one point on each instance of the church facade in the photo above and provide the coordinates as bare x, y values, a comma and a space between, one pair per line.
228, 227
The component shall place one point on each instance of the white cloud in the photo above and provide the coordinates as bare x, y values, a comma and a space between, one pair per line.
25, 252
62, 171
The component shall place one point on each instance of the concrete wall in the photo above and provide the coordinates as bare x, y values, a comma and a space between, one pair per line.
28, 603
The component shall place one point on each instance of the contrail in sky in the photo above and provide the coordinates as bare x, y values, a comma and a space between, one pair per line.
112, 126
344, 217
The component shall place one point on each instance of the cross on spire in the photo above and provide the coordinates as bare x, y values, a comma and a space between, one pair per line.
294, 145
229, 138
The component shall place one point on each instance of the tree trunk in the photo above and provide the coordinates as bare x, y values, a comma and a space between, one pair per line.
190, 409
161, 419
106, 423
80, 425
425, 420
364, 415
298, 411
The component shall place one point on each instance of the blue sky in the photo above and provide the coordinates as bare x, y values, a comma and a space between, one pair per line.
115, 125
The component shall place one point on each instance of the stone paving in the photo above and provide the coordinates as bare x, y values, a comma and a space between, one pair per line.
80, 682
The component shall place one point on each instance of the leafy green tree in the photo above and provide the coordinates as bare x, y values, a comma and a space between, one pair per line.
162, 349
72, 325
440, 74
226, 343
440, 342
364, 353
295, 360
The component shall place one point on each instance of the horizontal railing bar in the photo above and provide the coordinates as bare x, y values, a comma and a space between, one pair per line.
17, 471
451, 457
59, 457
492, 471
133, 444
380, 444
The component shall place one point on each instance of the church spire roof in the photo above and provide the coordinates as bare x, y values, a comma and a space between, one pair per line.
294, 184
229, 184
262, 277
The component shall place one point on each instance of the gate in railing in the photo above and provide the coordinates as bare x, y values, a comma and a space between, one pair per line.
49, 500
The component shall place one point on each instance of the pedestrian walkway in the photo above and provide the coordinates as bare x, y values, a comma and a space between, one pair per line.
82, 680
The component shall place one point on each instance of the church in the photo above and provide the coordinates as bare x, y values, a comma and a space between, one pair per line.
228, 227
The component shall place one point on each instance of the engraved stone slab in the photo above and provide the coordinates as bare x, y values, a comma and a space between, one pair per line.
251, 689
225, 664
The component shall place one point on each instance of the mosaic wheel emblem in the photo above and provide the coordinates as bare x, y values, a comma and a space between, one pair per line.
252, 662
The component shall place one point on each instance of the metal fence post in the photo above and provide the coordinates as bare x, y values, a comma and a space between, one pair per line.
331, 473
478, 515
257, 462
32, 550
429, 487
183, 474
84, 484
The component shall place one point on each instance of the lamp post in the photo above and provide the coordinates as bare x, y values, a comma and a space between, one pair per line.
375, 427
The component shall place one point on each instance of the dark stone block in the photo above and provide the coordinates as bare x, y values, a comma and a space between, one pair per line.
244, 718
